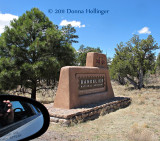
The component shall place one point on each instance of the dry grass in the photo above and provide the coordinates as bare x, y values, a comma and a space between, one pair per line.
141, 133
43, 95
138, 122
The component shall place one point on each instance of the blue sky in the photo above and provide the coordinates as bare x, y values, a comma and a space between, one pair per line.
124, 18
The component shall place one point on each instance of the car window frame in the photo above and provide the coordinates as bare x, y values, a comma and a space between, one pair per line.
11, 127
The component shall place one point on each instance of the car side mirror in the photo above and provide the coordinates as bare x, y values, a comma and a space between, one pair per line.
22, 118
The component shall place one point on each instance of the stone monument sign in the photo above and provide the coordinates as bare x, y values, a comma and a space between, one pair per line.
81, 85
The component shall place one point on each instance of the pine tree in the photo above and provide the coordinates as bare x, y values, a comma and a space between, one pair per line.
134, 59
158, 63
32, 49
69, 34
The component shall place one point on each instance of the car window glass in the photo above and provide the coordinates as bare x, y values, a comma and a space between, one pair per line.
17, 104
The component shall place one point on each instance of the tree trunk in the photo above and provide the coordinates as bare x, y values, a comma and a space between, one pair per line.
132, 82
33, 95
48, 82
121, 80
140, 80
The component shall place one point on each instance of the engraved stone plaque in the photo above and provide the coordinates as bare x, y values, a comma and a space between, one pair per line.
91, 83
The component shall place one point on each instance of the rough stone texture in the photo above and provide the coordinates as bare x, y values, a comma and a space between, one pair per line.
79, 85
67, 117
54, 119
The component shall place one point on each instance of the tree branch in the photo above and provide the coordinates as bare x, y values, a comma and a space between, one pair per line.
132, 82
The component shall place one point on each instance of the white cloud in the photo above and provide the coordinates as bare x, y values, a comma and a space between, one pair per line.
5, 20
73, 23
144, 30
